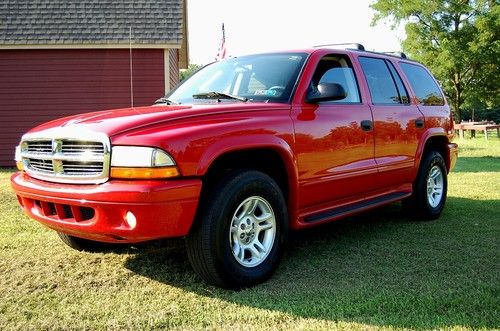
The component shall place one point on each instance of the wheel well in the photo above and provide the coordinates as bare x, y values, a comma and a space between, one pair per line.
267, 161
438, 144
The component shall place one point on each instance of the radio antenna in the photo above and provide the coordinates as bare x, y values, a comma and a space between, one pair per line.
131, 68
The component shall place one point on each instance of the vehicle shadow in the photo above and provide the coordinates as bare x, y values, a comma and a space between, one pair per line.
477, 164
380, 268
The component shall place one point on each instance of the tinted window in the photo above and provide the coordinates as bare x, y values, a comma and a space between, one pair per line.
403, 94
380, 81
426, 89
338, 70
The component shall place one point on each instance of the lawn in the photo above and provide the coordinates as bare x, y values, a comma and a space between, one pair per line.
379, 270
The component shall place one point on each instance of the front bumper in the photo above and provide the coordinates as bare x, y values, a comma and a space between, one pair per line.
162, 209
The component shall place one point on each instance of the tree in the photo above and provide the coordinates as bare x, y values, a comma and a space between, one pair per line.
192, 68
458, 40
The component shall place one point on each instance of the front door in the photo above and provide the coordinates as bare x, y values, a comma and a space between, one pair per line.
334, 152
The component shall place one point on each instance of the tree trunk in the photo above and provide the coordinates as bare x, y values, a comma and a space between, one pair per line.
458, 108
458, 118
457, 98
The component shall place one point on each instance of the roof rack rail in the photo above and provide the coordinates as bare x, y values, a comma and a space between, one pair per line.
397, 54
356, 45
360, 47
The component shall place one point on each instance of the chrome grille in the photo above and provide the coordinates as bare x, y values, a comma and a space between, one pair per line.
81, 147
82, 169
41, 165
42, 146
61, 155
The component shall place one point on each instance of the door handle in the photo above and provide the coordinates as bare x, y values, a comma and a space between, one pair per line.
419, 123
366, 125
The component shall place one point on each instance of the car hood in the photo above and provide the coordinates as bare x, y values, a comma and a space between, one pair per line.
113, 122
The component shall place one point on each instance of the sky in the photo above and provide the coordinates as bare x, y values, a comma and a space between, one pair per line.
267, 25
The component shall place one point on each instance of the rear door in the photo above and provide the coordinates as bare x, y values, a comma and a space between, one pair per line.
398, 124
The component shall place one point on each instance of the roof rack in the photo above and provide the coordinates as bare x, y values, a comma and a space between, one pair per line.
396, 54
356, 45
359, 47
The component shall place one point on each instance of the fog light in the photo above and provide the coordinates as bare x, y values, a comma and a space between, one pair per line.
130, 219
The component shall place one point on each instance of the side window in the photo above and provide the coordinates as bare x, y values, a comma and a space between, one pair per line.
380, 81
427, 91
337, 69
403, 94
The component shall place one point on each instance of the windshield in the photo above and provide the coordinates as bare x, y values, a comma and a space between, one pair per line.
264, 77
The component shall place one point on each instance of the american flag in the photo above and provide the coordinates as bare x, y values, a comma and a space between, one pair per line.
221, 53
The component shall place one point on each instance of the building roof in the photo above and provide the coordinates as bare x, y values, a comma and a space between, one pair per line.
91, 22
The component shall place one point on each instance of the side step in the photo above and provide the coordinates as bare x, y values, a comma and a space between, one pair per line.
340, 211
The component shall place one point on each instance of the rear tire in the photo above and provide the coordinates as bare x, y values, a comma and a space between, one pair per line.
85, 245
241, 231
429, 189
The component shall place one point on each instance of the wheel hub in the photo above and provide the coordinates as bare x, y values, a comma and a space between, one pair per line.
430, 185
246, 231
252, 231
435, 186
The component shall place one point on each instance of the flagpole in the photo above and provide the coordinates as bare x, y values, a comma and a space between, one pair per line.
221, 52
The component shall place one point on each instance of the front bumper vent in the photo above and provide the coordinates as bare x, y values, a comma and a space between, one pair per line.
59, 212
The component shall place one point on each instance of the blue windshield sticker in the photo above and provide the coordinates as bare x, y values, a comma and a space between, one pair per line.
267, 93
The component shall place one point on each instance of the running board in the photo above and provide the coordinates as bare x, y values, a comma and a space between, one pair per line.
340, 211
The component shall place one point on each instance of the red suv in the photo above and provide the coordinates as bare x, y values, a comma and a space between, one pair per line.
241, 152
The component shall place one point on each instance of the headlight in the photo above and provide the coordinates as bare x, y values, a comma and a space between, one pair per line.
134, 162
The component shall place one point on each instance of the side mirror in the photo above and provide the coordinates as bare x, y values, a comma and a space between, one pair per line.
326, 92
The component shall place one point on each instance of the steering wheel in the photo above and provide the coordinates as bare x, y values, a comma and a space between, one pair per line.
276, 88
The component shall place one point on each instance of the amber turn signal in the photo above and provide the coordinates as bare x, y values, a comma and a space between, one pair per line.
144, 173
20, 166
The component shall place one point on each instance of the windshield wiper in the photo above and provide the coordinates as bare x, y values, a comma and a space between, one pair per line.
165, 100
218, 95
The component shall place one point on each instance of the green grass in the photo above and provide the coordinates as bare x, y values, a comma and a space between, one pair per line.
379, 270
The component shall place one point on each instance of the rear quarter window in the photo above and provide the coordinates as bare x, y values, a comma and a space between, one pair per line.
426, 90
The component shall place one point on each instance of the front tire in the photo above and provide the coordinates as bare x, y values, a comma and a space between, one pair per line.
241, 231
430, 188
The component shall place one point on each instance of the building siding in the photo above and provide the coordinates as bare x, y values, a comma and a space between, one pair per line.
40, 85
174, 67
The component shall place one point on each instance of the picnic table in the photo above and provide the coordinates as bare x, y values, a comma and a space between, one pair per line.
473, 126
